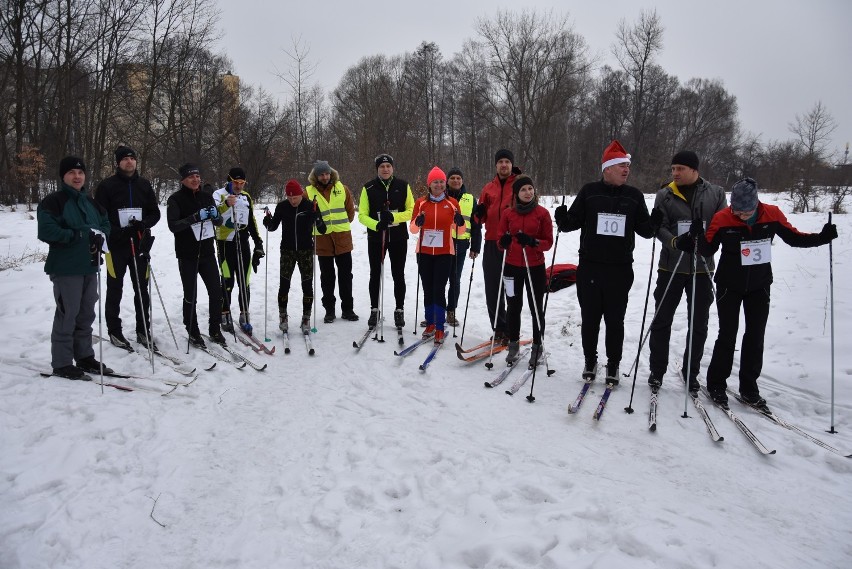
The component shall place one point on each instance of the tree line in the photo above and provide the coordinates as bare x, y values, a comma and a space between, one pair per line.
83, 77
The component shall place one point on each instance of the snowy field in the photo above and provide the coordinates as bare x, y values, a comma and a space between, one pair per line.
359, 460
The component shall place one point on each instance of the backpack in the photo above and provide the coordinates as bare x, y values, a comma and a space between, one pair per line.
561, 276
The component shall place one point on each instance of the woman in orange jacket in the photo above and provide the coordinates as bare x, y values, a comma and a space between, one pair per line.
434, 217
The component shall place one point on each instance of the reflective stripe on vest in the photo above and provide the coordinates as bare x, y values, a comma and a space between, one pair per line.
466, 207
333, 211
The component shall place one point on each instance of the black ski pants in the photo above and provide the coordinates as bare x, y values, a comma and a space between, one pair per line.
190, 269
661, 328
122, 263
434, 273
290, 259
515, 302
344, 281
396, 251
492, 265
755, 306
602, 291
232, 271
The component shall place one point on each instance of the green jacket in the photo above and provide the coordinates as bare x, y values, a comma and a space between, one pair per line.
64, 220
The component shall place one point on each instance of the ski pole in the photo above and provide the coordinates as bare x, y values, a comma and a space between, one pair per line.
635, 367
490, 365
266, 337
314, 270
145, 320
100, 323
165, 312
538, 321
467, 302
831, 290
552, 262
691, 330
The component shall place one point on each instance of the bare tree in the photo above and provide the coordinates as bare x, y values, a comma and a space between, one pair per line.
813, 135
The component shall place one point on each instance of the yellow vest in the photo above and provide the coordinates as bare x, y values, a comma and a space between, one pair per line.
333, 211
466, 207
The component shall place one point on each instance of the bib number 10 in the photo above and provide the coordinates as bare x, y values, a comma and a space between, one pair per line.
611, 224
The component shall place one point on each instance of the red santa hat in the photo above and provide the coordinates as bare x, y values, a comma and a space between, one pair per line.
614, 154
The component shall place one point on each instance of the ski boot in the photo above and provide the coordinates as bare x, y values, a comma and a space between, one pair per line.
227, 323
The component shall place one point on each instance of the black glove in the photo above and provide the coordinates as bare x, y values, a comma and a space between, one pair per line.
561, 214
458, 219
696, 228
257, 256
381, 226
656, 219
505, 241
525, 240
321, 226
480, 210
386, 217
420, 219
145, 245
685, 243
829, 232
96, 242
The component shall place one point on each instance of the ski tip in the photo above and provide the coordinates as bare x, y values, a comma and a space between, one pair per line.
509, 392
653, 428
488, 385
354, 345
286, 350
311, 352
422, 368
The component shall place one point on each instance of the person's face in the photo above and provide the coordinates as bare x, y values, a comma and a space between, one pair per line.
684, 175
437, 187
238, 185
75, 178
127, 165
385, 170
504, 167
743, 215
193, 182
324, 178
617, 174
295, 200
455, 182
526, 193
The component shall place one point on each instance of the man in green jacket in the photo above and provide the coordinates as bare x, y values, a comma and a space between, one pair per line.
75, 227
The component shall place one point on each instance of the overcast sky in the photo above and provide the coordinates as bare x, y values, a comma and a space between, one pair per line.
777, 57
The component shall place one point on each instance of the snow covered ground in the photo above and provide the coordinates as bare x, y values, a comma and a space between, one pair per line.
359, 460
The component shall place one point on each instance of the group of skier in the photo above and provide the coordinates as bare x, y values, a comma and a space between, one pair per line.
690, 217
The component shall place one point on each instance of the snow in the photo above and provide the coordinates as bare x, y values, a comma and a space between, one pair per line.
351, 459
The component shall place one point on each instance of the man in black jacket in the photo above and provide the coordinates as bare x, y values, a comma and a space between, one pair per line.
686, 198
384, 208
191, 216
608, 213
132, 208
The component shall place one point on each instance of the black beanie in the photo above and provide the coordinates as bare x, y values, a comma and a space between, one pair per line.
384, 159
71, 163
123, 152
188, 170
455, 171
686, 158
520, 182
236, 173
504, 153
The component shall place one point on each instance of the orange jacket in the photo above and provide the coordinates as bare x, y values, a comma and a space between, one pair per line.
437, 238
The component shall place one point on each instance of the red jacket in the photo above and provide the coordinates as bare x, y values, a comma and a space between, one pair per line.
536, 223
439, 218
498, 197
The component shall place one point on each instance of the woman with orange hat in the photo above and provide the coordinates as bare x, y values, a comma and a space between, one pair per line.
434, 217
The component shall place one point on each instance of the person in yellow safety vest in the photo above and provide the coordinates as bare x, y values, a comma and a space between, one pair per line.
337, 208
470, 238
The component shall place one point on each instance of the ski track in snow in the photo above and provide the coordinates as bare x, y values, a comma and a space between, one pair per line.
360, 460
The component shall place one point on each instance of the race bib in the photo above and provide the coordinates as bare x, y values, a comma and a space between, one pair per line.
202, 230
241, 213
126, 214
433, 238
757, 252
611, 224
509, 286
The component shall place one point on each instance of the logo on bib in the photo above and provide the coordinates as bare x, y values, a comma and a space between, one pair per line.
746, 252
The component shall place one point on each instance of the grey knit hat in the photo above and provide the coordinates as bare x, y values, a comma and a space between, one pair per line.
744, 195
321, 167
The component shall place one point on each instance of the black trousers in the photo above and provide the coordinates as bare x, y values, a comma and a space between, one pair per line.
122, 263
227, 255
434, 273
661, 328
344, 281
396, 251
190, 269
755, 306
462, 245
492, 264
515, 303
602, 292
